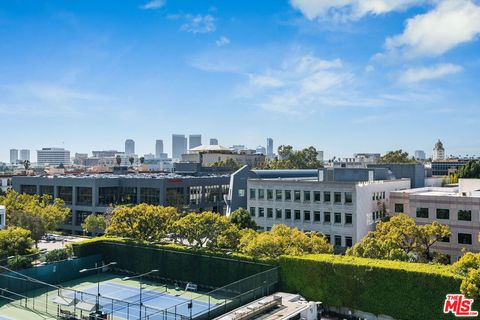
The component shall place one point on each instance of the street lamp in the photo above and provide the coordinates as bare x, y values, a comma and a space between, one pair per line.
140, 281
97, 268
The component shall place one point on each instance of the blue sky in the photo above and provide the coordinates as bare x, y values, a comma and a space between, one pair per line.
345, 76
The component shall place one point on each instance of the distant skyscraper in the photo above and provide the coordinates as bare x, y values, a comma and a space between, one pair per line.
158, 149
195, 140
53, 156
438, 151
13, 156
129, 147
179, 145
24, 155
213, 141
269, 147
420, 155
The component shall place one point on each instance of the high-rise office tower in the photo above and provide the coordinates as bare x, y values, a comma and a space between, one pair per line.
24, 155
13, 156
158, 149
179, 145
53, 156
420, 155
129, 147
213, 141
194, 140
269, 147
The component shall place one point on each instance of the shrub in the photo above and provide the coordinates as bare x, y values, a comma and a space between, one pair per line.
56, 255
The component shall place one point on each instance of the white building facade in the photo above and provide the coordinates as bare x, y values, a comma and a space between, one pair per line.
343, 211
53, 156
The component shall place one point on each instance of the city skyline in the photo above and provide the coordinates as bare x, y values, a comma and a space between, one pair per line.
343, 78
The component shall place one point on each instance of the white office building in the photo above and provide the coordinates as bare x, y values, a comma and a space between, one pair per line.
53, 156
457, 207
420, 155
13, 156
24, 155
344, 206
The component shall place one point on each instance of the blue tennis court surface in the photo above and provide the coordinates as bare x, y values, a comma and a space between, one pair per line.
156, 305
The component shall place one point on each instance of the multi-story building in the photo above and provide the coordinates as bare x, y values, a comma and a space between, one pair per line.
260, 150
438, 151
5, 182
179, 146
211, 154
457, 207
105, 153
80, 158
159, 149
53, 156
86, 194
447, 166
24, 155
194, 140
269, 147
342, 203
129, 147
13, 156
420, 155
213, 141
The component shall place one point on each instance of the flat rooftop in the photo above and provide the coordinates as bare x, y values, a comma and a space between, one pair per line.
440, 192
128, 176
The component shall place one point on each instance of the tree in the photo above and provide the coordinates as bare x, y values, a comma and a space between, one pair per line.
142, 160
397, 156
118, 159
208, 229
26, 164
94, 224
295, 159
143, 222
242, 219
15, 241
229, 163
400, 238
131, 160
282, 240
468, 267
33, 212
471, 170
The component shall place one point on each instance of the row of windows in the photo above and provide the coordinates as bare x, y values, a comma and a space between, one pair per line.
444, 214
462, 238
298, 195
298, 215
337, 240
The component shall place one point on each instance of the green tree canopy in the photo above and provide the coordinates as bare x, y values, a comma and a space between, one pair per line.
142, 222
242, 219
15, 241
295, 159
400, 239
468, 267
471, 170
229, 163
282, 240
397, 156
94, 224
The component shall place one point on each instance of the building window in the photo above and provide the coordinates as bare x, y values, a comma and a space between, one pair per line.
128, 195
348, 218
297, 195
297, 214
196, 195
252, 211
307, 196
327, 217
348, 197
278, 213
337, 217
150, 195
445, 239
65, 193
443, 214
84, 196
465, 215
464, 238
253, 193
327, 236
337, 197
399, 208
288, 195
422, 213
306, 215
338, 241
241, 192
261, 212
316, 216
28, 189
348, 242
316, 196
261, 194
278, 195
326, 196
269, 194
288, 214
269, 212
49, 190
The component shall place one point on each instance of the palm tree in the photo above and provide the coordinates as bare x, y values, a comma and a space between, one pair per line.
142, 160
119, 160
131, 160
26, 164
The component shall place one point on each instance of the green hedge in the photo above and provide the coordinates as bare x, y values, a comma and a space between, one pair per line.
406, 291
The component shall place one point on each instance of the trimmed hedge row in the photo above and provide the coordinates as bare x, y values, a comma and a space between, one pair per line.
406, 291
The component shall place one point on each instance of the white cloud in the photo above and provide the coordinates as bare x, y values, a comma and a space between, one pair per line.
199, 24
350, 9
222, 41
450, 23
152, 5
413, 75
